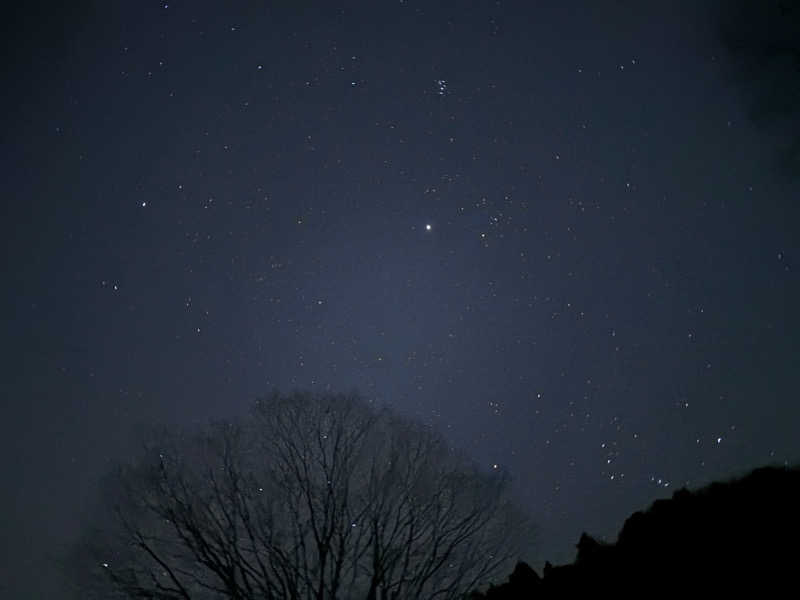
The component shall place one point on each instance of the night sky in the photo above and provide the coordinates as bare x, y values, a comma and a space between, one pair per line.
552, 229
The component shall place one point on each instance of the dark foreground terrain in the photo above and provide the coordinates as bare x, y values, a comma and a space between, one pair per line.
730, 537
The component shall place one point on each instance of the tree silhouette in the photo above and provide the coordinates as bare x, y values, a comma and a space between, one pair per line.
311, 497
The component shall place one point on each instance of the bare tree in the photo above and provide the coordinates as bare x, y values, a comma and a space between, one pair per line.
311, 498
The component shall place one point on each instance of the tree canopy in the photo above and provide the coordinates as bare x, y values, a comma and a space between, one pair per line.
311, 496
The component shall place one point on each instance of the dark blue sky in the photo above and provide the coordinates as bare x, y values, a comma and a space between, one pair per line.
203, 201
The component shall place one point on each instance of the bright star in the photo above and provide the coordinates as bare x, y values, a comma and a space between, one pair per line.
428, 227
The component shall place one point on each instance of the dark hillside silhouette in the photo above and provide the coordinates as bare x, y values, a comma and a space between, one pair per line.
726, 537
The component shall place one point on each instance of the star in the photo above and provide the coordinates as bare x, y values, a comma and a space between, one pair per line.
428, 227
